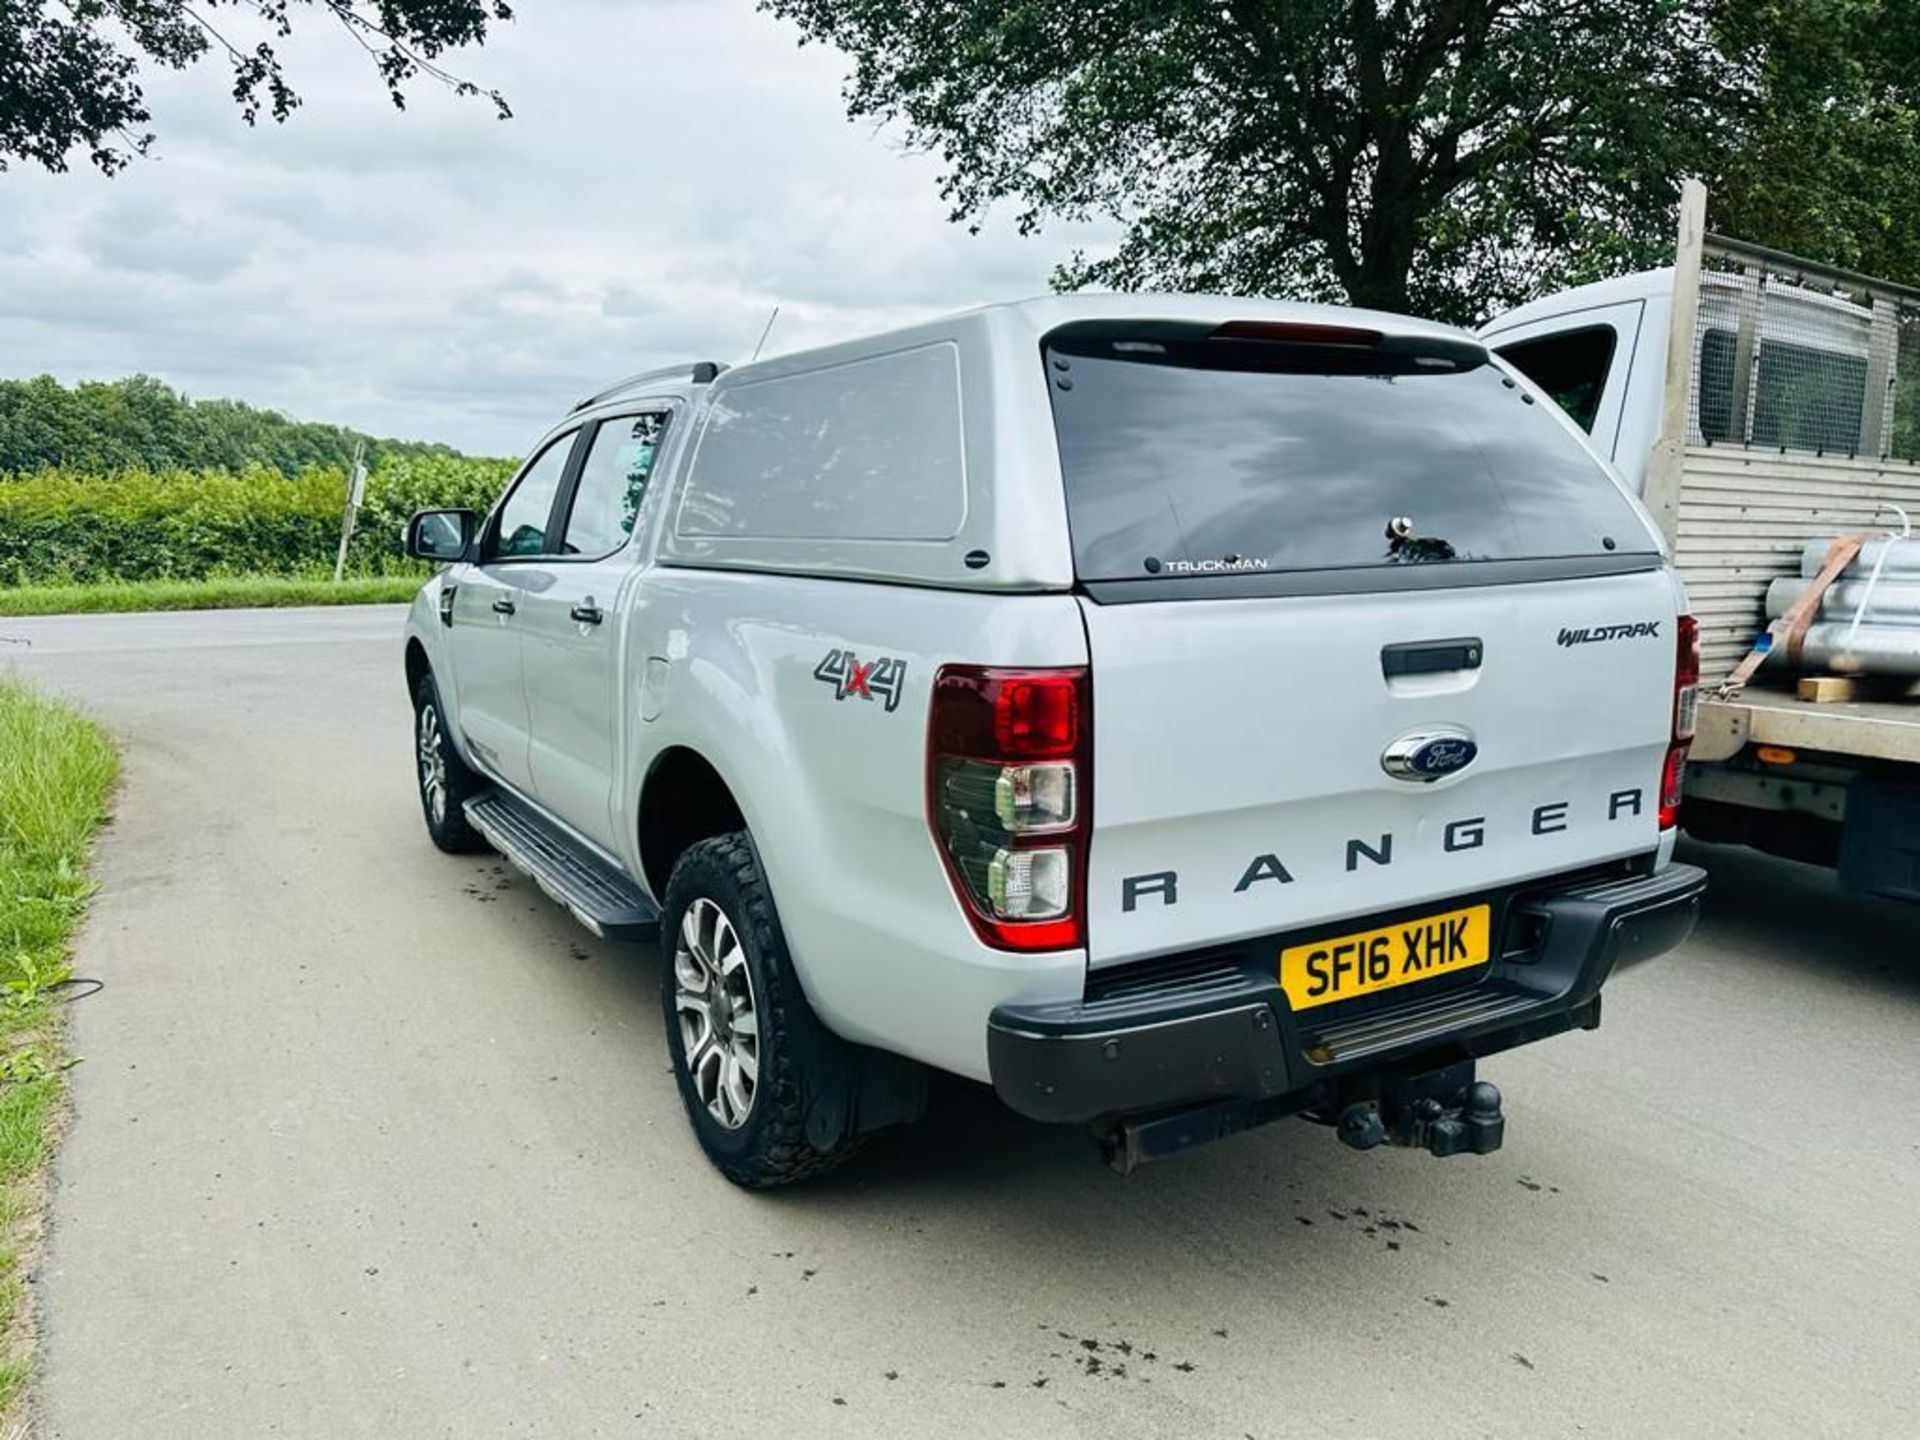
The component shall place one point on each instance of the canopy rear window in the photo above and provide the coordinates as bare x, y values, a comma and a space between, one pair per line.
1250, 448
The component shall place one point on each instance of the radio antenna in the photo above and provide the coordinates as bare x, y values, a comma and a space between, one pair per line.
764, 333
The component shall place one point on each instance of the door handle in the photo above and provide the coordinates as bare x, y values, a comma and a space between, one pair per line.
1431, 657
503, 607
588, 614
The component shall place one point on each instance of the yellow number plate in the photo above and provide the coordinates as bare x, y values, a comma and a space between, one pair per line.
1343, 966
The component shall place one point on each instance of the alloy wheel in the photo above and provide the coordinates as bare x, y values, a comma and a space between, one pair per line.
433, 763
719, 1024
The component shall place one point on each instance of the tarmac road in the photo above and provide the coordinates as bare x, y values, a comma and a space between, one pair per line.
371, 1141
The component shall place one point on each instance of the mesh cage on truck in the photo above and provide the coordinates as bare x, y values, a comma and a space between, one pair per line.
1801, 421
1793, 356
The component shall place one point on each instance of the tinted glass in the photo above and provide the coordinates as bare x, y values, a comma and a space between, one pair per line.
522, 527
1202, 456
613, 482
867, 450
1571, 367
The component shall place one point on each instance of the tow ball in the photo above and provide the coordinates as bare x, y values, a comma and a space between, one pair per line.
1444, 1112
1457, 1120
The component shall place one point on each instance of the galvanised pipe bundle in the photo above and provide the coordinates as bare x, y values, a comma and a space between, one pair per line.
1868, 622
1902, 564
1891, 602
1873, 650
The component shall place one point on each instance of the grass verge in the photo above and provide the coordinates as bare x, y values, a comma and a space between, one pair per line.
57, 771
237, 592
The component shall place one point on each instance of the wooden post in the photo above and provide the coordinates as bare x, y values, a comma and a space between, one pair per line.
1683, 313
356, 492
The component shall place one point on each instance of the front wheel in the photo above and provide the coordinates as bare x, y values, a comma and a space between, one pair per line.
446, 784
750, 1057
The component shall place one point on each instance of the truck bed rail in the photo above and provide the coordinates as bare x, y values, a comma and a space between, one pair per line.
1867, 729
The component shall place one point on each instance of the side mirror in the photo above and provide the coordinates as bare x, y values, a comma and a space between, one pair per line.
442, 536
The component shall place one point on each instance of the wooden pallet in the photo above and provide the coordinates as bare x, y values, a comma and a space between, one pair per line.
1844, 689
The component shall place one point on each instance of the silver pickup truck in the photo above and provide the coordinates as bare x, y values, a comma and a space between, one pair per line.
1177, 713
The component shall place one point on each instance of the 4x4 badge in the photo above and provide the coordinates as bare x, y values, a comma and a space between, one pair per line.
883, 678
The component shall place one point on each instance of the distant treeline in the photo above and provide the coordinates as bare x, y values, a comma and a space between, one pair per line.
75, 527
143, 424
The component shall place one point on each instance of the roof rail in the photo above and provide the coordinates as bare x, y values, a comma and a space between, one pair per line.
701, 372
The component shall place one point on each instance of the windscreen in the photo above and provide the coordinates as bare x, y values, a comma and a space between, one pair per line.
1251, 448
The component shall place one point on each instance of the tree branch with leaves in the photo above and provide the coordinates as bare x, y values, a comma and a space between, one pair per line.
70, 70
1448, 157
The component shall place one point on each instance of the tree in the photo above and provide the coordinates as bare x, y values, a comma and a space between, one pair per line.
1448, 157
101, 426
70, 69
1829, 165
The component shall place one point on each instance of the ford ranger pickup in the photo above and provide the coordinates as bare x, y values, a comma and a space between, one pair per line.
1175, 712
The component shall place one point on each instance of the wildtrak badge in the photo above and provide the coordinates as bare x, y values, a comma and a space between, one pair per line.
1591, 636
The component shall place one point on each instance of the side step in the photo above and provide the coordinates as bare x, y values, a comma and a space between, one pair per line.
599, 897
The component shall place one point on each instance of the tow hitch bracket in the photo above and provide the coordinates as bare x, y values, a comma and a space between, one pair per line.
1445, 1113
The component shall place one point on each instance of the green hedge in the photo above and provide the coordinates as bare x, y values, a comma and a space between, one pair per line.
61, 527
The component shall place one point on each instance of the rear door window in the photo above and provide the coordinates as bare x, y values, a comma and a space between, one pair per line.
1192, 450
1571, 367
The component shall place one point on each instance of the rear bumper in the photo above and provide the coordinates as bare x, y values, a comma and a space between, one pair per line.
1191, 1030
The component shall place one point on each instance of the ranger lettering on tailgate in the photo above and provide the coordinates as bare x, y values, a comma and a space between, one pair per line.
1468, 833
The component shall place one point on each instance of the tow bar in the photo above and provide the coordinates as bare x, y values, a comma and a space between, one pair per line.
1445, 1113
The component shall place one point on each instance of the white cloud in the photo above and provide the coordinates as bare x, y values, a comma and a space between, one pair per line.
673, 171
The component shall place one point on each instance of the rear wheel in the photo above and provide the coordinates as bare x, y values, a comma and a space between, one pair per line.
751, 1059
446, 783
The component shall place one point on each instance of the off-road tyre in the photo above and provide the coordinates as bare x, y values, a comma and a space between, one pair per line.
803, 1068
446, 820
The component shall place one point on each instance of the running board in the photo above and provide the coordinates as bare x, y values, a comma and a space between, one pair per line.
596, 894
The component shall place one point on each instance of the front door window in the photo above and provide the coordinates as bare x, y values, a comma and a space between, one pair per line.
521, 529
613, 483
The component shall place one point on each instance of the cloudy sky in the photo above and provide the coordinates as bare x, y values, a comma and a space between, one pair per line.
674, 169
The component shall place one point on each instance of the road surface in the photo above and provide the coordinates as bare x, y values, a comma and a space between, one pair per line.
373, 1141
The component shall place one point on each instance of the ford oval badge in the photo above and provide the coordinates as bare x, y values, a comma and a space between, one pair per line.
1429, 755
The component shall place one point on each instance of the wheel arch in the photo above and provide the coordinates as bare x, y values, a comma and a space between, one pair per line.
417, 664
683, 800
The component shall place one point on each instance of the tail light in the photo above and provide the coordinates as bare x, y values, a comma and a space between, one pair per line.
1686, 704
1009, 797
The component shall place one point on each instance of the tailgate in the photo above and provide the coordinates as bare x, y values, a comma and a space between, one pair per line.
1242, 781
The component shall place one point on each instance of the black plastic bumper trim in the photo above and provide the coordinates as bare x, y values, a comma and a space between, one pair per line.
1219, 1027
